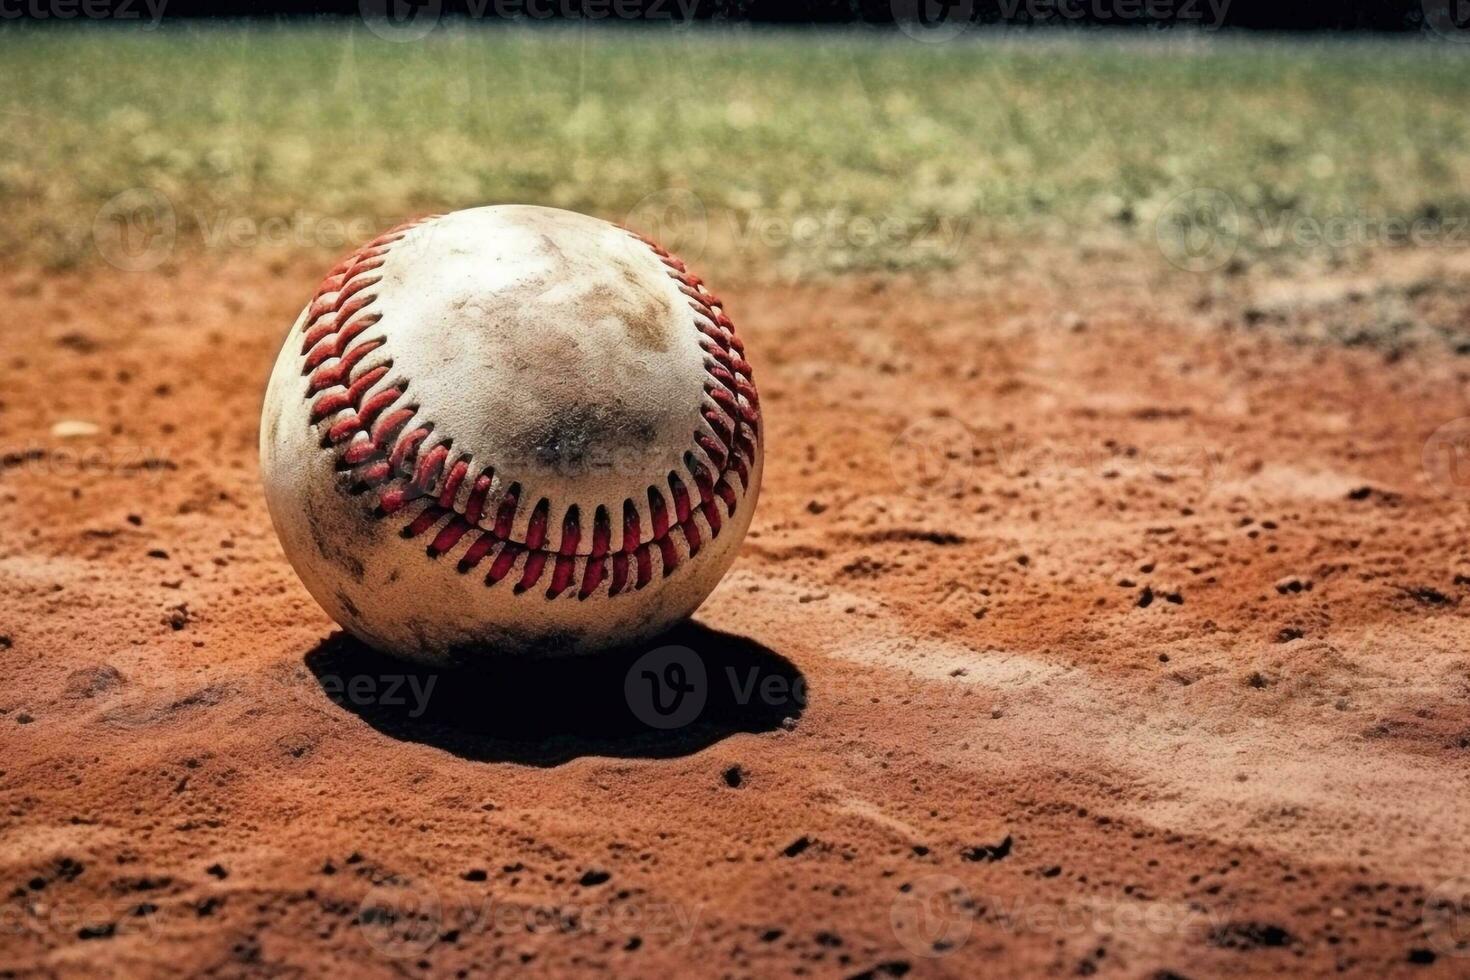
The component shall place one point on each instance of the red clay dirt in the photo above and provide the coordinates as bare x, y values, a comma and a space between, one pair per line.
1091, 631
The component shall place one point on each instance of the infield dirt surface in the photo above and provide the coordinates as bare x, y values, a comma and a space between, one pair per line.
1083, 628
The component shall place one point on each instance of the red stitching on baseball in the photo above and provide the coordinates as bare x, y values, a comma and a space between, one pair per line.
377, 441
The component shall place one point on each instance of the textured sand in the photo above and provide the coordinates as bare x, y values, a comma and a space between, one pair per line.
1129, 644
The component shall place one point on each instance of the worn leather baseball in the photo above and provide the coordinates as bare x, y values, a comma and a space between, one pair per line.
510, 430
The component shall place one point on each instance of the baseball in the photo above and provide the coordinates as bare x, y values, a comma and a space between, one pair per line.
510, 430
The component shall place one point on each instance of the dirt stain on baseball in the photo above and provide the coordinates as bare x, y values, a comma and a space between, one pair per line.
326, 534
645, 316
585, 436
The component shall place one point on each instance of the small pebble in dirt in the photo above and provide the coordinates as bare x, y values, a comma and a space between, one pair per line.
77, 342
1250, 935
1292, 584
988, 852
797, 846
1426, 595
734, 777
218, 871
1145, 598
158, 553
74, 429
475, 874
591, 878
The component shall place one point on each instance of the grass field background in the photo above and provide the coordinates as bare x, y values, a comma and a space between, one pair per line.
828, 150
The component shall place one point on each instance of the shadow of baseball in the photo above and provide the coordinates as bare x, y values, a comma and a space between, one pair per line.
671, 696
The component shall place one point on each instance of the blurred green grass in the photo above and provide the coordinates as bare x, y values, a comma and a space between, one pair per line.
821, 150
